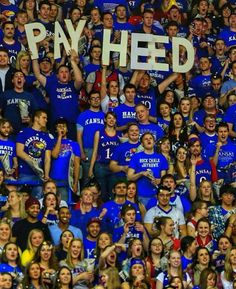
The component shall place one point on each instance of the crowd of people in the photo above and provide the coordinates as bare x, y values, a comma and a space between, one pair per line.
110, 177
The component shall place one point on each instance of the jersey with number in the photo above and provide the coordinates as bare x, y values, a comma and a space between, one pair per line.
106, 147
149, 98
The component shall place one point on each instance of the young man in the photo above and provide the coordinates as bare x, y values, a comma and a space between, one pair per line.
8, 157
33, 147
90, 242
22, 228
88, 122
56, 230
12, 100
63, 152
62, 92
164, 209
147, 168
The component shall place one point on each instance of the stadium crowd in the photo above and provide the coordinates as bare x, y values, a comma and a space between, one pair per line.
112, 177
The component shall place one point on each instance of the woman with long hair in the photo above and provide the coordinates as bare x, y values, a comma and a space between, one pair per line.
165, 231
178, 133
30, 6
109, 278
105, 142
5, 234
35, 239
228, 275
78, 266
32, 277
64, 279
23, 62
208, 279
16, 208
62, 248
199, 210
181, 165
174, 269
164, 148
132, 197
201, 261
104, 239
11, 263
48, 263
153, 260
49, 213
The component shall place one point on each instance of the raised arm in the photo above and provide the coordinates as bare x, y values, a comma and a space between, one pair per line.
74, 59
40, 77
165, 83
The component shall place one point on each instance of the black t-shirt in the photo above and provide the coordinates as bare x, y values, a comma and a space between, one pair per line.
22, 228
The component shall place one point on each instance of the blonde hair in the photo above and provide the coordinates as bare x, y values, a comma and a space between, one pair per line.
29, 242
21, 54
22, 212
228, 272
81, 256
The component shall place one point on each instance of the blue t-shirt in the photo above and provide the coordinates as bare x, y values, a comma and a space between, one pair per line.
141, 162
89, 122
36, 143
63, 100
123, 153
125, 114
9, 103
60, 165
149, 98
7, 147
153, 128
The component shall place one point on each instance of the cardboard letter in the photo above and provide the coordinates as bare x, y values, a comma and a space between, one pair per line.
32, 39
108, 47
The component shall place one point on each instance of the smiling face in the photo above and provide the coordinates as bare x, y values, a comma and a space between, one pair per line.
175, 259
5, 232
104, 240
203, 257
64, 276
203, 229
46, 252
36, 239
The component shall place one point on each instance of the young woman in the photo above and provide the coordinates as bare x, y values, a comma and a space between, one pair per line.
32, 277
165, 231
35, 239
202, 260
228, 275
103, 240
110, 278
105, 143
155, 260
174, 269
165, 112
49, 212
62, 249
178, 133
11, 262
198, 211
16, 209
138, 278
188, 248
185, 108
164, 147
64, 279
205, 193
5, 234
218, 256
45, 256
208, 279
23, 62
181, 166
204, 237
132, 197
78, 266
30, 6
